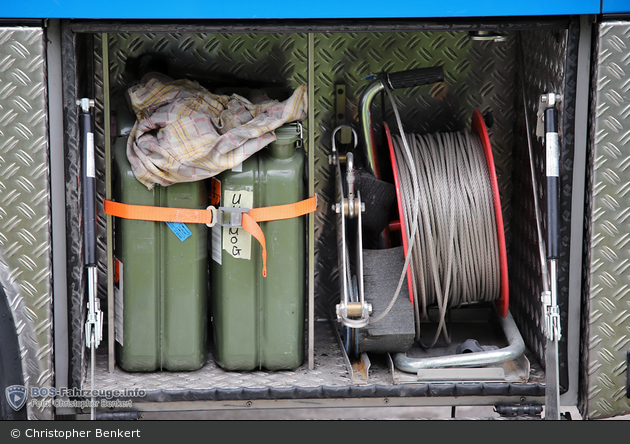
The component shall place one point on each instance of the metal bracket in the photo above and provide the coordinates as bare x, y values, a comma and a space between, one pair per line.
482, 36
85, 104
552, 316
231, 217
352, 311
545, 101
349, 205
514, 349
345, 137
94, 322
299, 143
359, 370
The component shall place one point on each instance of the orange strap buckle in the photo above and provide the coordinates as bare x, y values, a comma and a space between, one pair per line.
224, 216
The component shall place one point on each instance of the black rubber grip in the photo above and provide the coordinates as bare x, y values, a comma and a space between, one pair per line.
416, 77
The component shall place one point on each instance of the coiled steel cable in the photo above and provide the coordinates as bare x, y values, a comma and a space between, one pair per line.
448, 209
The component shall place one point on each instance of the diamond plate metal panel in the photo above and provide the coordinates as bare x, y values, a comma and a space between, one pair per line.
547, 52
76, 276
607, 295
330, 371
25, 239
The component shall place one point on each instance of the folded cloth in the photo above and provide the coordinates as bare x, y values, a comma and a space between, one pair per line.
184, 133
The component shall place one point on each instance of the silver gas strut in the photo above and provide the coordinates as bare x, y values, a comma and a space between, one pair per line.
94, 323
550, 298
552, 314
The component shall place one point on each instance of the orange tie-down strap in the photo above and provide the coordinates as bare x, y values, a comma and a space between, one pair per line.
249, 221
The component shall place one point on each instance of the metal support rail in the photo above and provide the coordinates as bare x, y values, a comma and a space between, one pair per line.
515, 348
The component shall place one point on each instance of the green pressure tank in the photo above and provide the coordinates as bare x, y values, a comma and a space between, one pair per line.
258, 322
161, 277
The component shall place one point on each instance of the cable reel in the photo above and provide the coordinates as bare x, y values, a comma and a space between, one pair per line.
455, 260
438, 256
440, 278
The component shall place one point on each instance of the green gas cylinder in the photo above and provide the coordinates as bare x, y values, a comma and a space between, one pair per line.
161, 277
258, 322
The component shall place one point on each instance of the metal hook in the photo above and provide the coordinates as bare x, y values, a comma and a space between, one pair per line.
339, 128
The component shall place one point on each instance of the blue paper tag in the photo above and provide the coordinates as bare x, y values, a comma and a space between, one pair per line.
181, 230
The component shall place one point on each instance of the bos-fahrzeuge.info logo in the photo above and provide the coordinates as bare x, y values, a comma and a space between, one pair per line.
17, 396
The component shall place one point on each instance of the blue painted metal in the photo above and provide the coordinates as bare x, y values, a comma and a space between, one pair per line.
615, 6
256, 9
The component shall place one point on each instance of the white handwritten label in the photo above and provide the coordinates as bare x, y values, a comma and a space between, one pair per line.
236, 241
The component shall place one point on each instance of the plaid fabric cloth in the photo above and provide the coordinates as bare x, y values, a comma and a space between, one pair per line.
183, 133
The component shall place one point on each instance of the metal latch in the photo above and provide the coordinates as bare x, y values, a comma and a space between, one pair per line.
552, 316
94, 322
300, 142
230, 217
350, 205
299, 129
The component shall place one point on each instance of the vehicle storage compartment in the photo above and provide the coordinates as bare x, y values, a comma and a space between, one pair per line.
482, 80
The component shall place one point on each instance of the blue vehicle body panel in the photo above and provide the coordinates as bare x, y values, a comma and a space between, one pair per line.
250, 9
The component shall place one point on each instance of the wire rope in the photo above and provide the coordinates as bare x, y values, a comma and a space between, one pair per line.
448, 210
